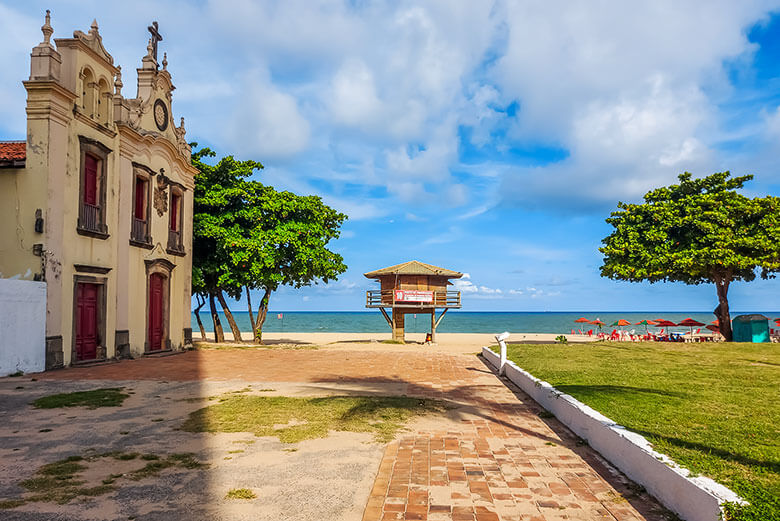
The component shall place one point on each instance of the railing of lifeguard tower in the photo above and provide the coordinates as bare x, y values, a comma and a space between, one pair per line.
386, 298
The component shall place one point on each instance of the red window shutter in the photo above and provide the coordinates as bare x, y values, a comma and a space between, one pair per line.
140, 197
174, 212
90, 180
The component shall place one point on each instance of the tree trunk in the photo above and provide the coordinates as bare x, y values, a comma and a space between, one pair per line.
201, 303
219, 335
251, 311
722, 311
262, 312
229, 317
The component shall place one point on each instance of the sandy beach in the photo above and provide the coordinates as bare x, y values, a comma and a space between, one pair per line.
445, 342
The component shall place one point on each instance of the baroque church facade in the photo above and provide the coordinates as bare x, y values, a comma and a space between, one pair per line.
97, 202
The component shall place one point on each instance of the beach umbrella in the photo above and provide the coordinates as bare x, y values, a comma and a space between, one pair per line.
662, 322
620, 323
689, 322
645, 323
713, 327
597, 322
582, 320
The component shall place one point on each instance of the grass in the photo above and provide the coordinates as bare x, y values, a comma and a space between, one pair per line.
712, 407
60, 482
297, 419
110, 397
240, 493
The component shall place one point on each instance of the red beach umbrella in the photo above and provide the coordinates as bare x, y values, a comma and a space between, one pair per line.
662, 322
713, 327
582, 320
597, 322
689, 322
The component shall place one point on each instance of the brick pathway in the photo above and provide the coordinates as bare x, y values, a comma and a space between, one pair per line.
496, 460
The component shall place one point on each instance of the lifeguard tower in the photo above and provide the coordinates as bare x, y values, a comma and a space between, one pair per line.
412, 287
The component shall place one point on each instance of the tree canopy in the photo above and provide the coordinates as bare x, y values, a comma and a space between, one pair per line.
249, 236
697, 231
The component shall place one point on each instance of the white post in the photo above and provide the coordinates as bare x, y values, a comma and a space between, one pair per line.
501, 339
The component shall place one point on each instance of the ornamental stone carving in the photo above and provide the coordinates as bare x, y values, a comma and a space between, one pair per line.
161, 194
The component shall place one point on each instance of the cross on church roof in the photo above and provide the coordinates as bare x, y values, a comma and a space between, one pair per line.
156, 37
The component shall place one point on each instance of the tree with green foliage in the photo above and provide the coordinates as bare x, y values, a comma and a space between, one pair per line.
248, 236
284, 243
697, 231
219, 197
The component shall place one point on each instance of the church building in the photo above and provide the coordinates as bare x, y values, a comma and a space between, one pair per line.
97, 202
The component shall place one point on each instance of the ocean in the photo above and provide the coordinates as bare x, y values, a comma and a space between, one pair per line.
454, 322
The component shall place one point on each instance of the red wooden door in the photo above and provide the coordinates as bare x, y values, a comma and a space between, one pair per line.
86, 321
155, 312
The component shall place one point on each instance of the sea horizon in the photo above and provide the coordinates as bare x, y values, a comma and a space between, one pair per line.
456, 321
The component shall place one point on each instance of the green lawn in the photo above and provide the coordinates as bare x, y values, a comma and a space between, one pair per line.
713, 407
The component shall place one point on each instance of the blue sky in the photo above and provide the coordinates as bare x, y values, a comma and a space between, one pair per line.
491, 138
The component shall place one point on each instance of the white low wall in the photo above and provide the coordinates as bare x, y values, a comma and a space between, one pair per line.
691, 498
22, 326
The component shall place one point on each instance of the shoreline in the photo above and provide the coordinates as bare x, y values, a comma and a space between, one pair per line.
447, 342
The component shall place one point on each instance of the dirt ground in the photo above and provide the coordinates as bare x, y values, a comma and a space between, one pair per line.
490, 432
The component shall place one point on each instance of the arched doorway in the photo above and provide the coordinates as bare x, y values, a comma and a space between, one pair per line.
156, 321
158, 305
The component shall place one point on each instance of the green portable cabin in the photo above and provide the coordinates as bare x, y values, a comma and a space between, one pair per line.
750, 328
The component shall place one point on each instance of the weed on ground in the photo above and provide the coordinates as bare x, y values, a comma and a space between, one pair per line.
110, 397
240, 493
60, 482
296, 419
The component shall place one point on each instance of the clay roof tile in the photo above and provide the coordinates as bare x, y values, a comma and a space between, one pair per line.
13, 152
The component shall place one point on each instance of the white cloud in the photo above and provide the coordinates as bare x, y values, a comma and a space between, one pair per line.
376, 94
354, 99
341, 286
267, 121
465, 285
